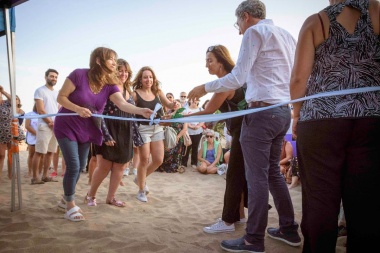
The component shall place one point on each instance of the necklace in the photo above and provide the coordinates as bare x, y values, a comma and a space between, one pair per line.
96, 90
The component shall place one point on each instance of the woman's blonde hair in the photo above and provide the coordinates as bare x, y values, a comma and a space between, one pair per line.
127, 85
209, 132
137, 82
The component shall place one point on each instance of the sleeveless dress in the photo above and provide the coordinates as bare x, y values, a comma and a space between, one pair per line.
356, 64
121, 132
232, 105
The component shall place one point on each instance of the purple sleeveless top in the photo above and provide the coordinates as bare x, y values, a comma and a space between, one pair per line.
79, 129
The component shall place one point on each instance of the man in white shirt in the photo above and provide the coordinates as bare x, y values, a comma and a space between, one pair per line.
265, 62
46, 143
183, 99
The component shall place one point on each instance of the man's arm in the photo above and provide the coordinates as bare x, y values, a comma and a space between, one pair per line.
40, 105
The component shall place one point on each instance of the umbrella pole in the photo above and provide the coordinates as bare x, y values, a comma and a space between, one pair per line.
14, 148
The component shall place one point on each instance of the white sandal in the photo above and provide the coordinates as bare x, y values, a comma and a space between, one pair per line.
74, 215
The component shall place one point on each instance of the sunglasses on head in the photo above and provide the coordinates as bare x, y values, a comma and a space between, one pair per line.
209, 136
211, 48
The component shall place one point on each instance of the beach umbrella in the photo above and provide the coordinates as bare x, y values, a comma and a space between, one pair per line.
7, 28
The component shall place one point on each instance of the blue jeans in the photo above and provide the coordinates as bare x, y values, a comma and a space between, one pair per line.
261, 137
75, 155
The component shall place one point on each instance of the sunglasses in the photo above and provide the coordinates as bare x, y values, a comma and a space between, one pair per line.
236, 25
183, 96
209, 136
211, 48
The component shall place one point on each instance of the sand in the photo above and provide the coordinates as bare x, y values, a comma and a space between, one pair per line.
179, 206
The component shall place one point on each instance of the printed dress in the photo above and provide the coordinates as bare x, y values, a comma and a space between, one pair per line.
173, 157
122, 132
5, 122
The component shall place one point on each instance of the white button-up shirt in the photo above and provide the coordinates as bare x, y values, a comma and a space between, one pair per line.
265, 63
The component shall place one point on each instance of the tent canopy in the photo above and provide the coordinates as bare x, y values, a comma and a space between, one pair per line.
12, 20
10, 3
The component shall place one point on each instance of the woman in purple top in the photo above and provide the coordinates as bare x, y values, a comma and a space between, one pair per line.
85, 91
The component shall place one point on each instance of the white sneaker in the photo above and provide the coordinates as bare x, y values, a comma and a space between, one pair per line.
222, 169
219, 227
134, 171
242, 221
126, 172
141, 196
146, 188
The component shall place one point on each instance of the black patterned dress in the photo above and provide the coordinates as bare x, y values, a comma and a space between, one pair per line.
173, 156
123, 133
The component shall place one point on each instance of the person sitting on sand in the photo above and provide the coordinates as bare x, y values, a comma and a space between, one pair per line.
209, 154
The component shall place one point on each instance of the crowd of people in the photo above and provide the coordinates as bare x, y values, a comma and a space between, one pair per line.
336, 158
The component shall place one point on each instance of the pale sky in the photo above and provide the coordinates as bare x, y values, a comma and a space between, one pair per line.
171, 36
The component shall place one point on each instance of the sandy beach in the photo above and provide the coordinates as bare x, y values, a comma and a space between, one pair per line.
179, 206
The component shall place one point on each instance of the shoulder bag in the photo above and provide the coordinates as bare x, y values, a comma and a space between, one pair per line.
186, 139
170, 140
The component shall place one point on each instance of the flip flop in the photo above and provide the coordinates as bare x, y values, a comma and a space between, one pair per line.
181, 169
74, 215
36, 181
117, 203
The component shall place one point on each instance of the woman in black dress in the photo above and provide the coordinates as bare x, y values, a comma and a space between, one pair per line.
117, 148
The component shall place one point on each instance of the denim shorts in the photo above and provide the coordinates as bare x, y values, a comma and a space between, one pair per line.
151, 133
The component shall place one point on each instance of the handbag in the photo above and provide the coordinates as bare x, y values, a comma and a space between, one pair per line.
186, 139
170, 140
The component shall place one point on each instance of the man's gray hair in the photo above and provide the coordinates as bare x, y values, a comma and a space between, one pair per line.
255, 8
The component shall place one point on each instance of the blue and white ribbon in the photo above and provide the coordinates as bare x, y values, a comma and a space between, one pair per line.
215, 117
